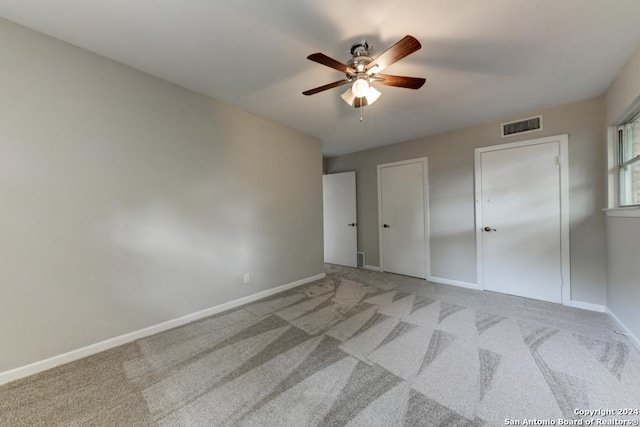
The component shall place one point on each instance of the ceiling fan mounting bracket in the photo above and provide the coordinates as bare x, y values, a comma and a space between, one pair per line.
360, 48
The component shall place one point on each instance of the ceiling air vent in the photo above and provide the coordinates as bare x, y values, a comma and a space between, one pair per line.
531, 124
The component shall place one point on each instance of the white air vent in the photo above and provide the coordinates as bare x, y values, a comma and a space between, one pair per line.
532, 124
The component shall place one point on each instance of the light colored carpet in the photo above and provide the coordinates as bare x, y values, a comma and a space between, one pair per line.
359, 348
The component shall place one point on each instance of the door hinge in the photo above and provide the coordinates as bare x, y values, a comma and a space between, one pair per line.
558, 160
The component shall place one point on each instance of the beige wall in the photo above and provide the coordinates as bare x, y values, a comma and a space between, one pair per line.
126, 201
624, 91
623, 234
451, 197
623, 253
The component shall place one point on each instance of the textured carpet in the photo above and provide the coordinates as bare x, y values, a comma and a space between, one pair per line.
358, 348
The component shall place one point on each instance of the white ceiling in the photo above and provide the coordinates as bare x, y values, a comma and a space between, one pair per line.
483, 60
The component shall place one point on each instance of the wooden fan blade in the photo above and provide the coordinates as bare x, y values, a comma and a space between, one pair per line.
325, 87
323, 59
403, 48
399, 81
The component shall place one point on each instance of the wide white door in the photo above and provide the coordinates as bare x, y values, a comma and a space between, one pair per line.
339, 209
521, 223
402, 219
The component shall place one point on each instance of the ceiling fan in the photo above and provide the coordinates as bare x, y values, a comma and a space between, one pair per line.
363, 72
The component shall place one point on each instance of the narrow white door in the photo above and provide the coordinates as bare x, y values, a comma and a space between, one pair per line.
402, 219
339, 209
521, 221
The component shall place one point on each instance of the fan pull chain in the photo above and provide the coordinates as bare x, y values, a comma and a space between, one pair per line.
361, 111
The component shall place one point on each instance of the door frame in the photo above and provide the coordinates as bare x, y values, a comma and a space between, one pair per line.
563, 161
425, 195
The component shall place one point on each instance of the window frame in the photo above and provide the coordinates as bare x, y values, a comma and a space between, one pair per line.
625, 159
614, 208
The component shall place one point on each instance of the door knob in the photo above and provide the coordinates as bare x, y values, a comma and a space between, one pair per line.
353, 224
489, 229
386, 226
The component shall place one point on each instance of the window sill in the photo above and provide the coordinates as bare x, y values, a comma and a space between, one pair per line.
628, 212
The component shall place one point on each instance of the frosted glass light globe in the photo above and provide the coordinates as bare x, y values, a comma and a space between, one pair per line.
360, 88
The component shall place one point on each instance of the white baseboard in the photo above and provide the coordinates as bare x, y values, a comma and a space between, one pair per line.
372, 268
52, 362
587, 306
634, 340
444, 281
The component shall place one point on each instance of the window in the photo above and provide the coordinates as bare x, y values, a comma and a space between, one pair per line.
629, 162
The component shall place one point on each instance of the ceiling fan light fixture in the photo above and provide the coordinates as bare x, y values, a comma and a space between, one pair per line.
361, 72
348, 97
360, 88
370, 96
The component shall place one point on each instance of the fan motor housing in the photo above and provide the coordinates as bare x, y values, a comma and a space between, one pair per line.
360, 56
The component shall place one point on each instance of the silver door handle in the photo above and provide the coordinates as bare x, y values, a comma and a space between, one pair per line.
386, 226
353, 224
489, 229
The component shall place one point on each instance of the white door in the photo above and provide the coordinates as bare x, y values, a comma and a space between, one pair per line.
402, 200
521, 224
339, 209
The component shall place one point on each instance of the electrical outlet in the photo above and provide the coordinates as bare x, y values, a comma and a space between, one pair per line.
247, 277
